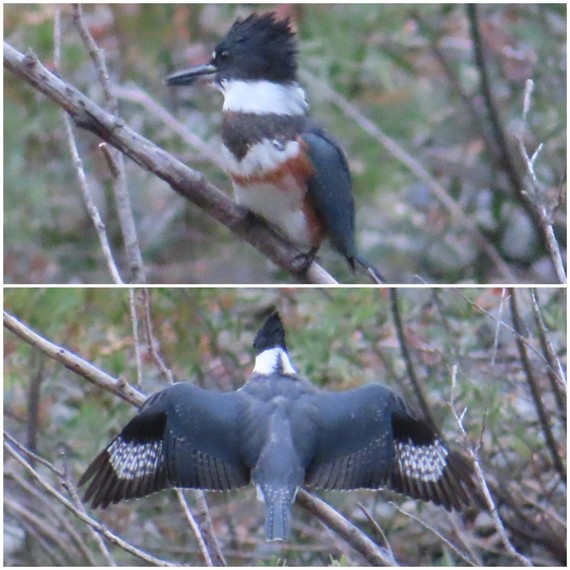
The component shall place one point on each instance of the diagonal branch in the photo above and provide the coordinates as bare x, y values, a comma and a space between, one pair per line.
189, 183
374, 554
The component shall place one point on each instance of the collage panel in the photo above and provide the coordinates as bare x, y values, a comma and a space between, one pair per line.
214, 143
438, 412
285, 285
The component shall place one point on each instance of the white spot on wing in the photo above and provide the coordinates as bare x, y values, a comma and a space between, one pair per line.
425, 463
134, 461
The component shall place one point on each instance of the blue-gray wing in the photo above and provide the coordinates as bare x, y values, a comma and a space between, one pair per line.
184, 436
370, 438
330, 190
354, 439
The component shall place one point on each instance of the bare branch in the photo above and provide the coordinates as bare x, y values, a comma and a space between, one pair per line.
436, 532
481, 480
122, 198
135, 326
555, 371
90, 206
185, 181
73, 362
492, 111
395, 310
534, 197
543, 416
195, 528
504, 325
152, 344
374, 554
81, 515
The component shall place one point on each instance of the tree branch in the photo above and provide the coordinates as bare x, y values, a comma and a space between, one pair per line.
119, 176
189, 183
73, 362
81, 515
395, 310
376, 555
535, 390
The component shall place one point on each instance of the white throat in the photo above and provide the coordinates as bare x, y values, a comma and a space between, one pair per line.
263, 97
273, 360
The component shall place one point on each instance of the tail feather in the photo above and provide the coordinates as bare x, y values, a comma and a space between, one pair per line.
277, 514
374, 274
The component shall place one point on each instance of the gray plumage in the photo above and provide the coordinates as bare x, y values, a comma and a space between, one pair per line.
281, 433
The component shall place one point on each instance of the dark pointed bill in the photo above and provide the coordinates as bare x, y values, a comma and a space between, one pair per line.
188, 76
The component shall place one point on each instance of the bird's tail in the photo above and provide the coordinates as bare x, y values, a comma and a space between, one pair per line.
277, 513
374, 274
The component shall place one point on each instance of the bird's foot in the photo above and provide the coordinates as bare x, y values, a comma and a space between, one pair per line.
302, 261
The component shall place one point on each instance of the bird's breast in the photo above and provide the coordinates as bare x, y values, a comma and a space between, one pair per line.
268, 163
271, 180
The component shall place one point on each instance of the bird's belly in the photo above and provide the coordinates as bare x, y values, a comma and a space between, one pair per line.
283, 209
271, 181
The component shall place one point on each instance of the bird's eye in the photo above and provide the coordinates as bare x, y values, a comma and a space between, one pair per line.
223, 55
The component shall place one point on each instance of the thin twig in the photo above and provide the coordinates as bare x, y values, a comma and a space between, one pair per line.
92, 210
468, 102
90, 206
537, 398
152, 344
481, 479
495, 120
556, 372
122, 198
195, 527
85, 518
377, 528
72, 490
534, 197
504, 325
395, 310
135, 326
204, 520
436, 532
498, 324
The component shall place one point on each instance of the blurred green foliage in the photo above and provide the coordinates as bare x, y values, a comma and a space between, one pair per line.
382, 58
339, 339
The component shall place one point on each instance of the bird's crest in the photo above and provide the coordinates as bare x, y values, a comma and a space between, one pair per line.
270, 335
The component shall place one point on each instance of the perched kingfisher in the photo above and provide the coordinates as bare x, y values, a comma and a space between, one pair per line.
281, 433
284, 167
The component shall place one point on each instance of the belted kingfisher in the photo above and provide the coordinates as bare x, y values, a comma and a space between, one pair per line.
281, 433
284, 167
